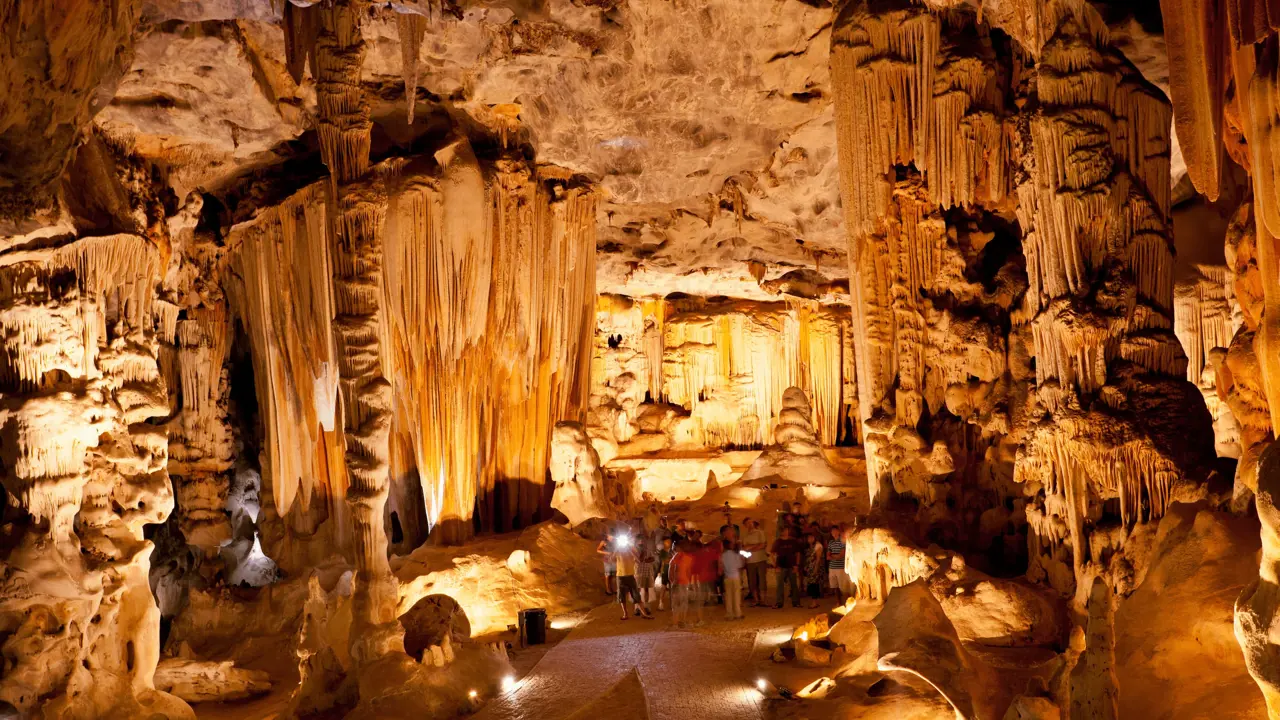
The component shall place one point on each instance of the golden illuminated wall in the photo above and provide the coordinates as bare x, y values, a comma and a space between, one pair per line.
727, 362
486, 289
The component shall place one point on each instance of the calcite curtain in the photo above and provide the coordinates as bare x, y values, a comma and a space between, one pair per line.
487, 295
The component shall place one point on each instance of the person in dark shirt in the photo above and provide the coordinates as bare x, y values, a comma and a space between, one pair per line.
787, 553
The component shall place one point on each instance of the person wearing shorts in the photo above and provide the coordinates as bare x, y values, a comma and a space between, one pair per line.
626, 560
606, 548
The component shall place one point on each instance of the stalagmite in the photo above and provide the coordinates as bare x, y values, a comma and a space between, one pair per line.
795, 456
81, 382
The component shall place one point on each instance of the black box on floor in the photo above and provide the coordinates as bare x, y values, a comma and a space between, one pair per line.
533, 626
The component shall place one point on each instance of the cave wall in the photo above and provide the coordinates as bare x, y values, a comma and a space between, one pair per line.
724, 364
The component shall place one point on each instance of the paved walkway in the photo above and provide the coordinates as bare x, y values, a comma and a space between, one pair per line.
707, 673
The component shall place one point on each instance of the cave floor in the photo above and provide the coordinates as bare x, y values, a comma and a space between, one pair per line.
605, 665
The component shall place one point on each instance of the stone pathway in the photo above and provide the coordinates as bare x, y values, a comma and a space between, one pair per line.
698, 674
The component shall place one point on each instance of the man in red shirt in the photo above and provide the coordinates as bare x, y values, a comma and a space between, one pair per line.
684, 580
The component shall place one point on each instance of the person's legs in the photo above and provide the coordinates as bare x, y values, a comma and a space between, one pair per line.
762, 583
701, 600
679, 603
794, 579
732, 598
779, 585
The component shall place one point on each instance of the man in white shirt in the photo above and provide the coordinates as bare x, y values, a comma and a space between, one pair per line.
756, 543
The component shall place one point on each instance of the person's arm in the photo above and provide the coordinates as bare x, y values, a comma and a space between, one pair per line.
603, 548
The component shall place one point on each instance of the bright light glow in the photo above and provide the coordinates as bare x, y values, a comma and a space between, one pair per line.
624, 541
761, 684
804, 636
472, 694
745, 553
508, 683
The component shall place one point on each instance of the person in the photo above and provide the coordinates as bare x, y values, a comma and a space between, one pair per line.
682, 582
707, 572
712, 577
651, 518
783, 519
730, 525
837, 578
662, 572
681, 533
756, 543
645, 561
815, 568
787, 553
731, 566
625, 559
660, 533
605, 548
801, 506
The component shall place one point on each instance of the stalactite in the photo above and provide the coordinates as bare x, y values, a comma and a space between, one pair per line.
1197, 85
299, 39
412, 27
343, 123
915, 88
728, 363
281, 291
919, 119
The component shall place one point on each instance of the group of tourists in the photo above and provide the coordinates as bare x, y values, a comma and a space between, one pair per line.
651, 564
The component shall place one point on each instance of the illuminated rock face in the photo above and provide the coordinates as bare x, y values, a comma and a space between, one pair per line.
723, 366
580, 493
321, 291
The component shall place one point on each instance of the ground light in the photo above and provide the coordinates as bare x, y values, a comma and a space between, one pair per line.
508, 683
472, 694
761, 685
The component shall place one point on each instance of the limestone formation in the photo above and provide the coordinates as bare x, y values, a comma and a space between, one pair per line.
1259, 602
795, 456
319, 319
581, 493
198, 681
